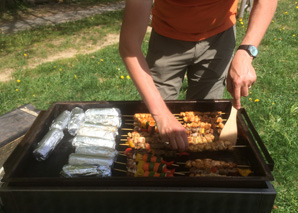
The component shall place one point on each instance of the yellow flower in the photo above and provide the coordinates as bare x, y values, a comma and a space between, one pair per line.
54, 67
122, 77
240, 19
25, 54
273, 103
60, 69
18, 80
250, 93
257, 100
241, 22
17, 90
294, 35
101, 59
127, 77
272, 21
33, 95
283, 28
250, 99
286, 13
75, 76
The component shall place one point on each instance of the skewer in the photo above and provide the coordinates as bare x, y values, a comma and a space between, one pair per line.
181, 119
221, 113
120, 170
176, 114
242, 166
176, 173
127, 129
125, 156
178, 118
125, 144
131, 124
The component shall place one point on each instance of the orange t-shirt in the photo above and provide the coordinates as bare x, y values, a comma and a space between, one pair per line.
193, 20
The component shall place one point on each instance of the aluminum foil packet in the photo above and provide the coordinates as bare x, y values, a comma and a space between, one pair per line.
72, 171
89, 131
107, 120
78, 159
103, 111
61, 121
91, 141
48, 144
77, 117
102, 127
97, 151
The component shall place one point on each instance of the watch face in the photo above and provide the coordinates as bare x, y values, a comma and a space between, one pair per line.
253, 50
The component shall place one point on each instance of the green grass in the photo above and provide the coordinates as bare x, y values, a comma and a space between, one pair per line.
44, 41
272, 104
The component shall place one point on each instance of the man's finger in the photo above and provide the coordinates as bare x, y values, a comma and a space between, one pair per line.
237, 96
244, 91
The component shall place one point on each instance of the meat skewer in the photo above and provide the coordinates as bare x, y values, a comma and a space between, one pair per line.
209, 167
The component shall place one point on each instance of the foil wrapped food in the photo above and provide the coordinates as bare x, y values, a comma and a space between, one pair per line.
107, 120
103, 111
89, 131
78, 159
101, 127
71, 171
91, 141
48, 144
96, 151
77, 117
61, 121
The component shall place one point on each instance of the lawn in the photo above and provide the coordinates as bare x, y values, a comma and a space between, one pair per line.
272, 104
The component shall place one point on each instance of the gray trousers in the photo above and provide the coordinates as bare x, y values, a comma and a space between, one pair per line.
205, 63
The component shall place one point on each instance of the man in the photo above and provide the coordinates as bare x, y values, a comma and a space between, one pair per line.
193, 36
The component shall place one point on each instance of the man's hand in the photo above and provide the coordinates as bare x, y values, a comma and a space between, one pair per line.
241, 76
172, 131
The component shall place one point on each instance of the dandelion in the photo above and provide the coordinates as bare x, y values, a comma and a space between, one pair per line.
101, 59
17, 90
283, 28
122, 77
257, 100
250, 99
25, 54
241, 22
75, 76
272, 21
273, 103
294, 35
18, 80
127, 77
286, 13
60, 69
250, 93
240, 19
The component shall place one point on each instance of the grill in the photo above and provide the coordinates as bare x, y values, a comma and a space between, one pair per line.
31, 184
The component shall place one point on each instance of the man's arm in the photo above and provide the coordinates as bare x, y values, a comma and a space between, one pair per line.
242, 75
134, 26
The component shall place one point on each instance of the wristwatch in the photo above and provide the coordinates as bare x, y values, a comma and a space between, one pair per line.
252, 50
